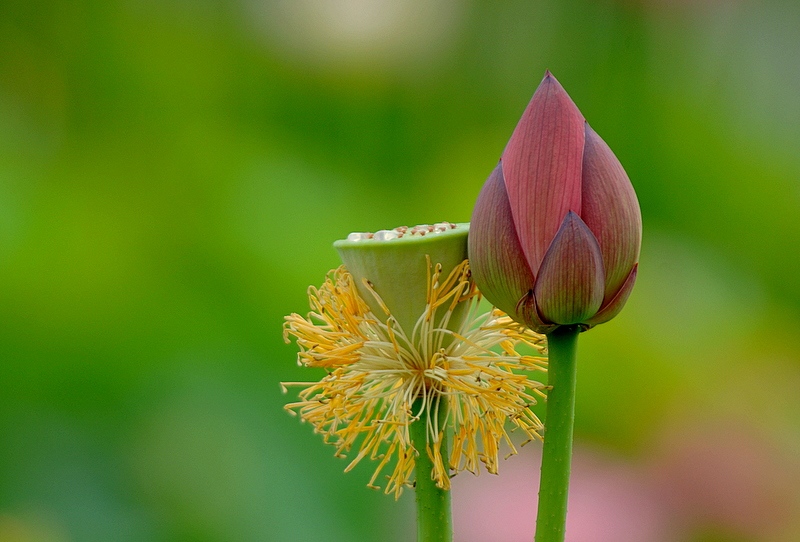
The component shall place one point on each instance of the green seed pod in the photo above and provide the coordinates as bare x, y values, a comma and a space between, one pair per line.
392, 268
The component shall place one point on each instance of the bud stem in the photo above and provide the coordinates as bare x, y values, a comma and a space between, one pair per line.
434, 523
557, 450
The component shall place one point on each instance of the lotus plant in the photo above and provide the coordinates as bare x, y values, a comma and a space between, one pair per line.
554, 242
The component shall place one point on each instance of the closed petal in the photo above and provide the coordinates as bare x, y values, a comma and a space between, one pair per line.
611, 211
612, 307
542, 167
498, 264
569, 288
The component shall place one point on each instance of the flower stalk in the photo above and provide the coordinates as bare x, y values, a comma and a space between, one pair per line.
551, 518
434, 517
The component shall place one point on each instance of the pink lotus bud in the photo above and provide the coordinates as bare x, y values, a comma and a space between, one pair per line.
556, 231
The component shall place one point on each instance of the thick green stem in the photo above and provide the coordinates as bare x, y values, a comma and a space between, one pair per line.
557, 451
434, 523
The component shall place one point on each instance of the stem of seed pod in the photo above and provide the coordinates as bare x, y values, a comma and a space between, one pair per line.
434, 523
557, 450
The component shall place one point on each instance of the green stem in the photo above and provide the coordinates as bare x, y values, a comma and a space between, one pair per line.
433, 504
557, 450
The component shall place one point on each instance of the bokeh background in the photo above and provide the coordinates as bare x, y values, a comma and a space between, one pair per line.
172, 175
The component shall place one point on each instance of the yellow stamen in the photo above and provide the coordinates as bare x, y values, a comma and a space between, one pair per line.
377, 370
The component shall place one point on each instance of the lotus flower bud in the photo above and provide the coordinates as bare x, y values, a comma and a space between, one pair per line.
556, 231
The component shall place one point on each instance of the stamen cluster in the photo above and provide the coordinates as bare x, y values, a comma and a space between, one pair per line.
381, 378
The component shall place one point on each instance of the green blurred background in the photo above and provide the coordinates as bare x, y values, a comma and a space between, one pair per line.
172, 176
